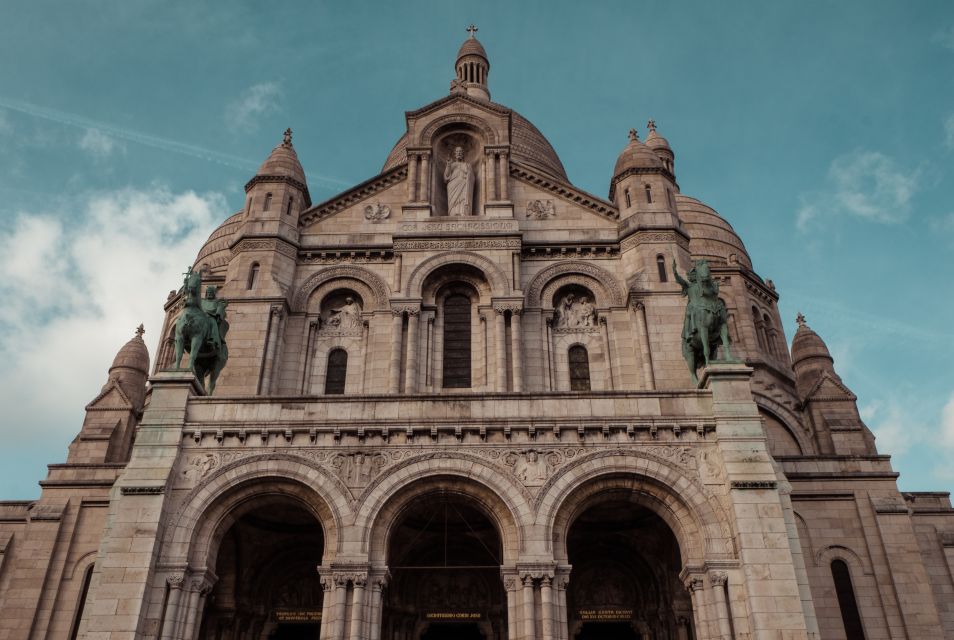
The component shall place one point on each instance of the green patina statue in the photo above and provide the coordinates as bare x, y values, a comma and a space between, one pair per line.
200, 331
706, 322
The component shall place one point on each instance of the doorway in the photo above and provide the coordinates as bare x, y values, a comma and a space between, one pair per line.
607, 631
296, 632
448, 631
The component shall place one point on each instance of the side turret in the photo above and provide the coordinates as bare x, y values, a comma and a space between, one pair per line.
642, 186
472, 68
111, 416
829, 405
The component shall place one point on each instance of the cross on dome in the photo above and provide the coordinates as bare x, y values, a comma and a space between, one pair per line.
140, 330
472, 30
633, 136
287, 136
651, 125
800, 319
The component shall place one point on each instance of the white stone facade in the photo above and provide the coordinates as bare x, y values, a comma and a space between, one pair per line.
611, 497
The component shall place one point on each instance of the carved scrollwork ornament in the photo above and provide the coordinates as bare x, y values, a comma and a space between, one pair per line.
175, 580
718, 579
377, 212
510, 583
694, 584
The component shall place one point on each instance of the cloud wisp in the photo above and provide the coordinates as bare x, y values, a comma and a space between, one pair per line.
100, 145
258, 100
75, 290
131, 135
865, 185
949, 131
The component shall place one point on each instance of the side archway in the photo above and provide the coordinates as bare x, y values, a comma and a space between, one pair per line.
371, 287
600, 281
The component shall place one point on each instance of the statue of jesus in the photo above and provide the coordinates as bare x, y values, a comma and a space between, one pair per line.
459, 176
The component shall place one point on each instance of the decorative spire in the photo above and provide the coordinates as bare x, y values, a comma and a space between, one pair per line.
140, 330
800, 319
651, 125
473, 67
633, 136
288, 137
472, 30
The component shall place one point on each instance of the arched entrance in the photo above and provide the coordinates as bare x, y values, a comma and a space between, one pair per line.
444, 555
268, 585
624, 584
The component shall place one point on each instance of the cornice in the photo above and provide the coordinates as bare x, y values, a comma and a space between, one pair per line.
441, 102
635, 171
352, 196
563, 190
301, 186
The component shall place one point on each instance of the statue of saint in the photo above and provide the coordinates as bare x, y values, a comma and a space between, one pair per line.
459, 176
347, 316
587, 312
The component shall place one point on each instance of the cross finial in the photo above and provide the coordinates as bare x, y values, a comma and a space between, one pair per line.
800, 319
472, 30
287, 138
140, 330
651, 125
633, 136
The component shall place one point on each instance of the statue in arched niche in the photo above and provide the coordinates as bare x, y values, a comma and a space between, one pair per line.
459, 177
575, 311
347, 316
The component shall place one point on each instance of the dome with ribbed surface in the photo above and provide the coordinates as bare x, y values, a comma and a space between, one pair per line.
134, 355
471, 47
636, 155
283, 161
710, 236
807, 344
655, 141
215, 253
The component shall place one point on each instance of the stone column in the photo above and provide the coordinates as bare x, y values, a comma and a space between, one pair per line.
516, 348
546, 607
425, 177
604, 330
504, 176
695, 588
377, 607
563, 617
341, 604
500, 346
682, 629
397, 324
510, 585
413, 348
171, 615
491, 171
309, 356
550, 365
274, 325
327, 607
358, 608
717, 582
529, 622
642, 336
438, 366
412, 177
192, 613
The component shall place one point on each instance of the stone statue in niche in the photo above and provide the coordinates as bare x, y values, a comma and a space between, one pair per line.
347, 316
575, 312
459, 177
531, 468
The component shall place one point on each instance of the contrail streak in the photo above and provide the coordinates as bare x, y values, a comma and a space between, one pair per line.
164, 144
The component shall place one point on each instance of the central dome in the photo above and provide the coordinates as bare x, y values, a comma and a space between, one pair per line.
528, 146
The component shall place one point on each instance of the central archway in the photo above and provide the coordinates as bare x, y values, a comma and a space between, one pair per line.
444, 554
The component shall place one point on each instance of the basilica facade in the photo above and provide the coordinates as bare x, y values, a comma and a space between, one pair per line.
456, 405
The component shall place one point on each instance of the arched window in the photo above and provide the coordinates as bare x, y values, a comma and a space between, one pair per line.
456, 342
629, 201
337, 371
252, 276
661, 268
649, 194
288, 209
579, 368
268, 202
846, 601
81, 604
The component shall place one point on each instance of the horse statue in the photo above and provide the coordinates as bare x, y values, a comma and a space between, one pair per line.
200, 331
706, 322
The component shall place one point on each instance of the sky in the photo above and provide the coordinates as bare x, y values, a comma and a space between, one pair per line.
822, 131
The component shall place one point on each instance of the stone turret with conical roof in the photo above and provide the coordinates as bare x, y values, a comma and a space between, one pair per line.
472, 68
642, 184
661, 147
830, 406
112, 415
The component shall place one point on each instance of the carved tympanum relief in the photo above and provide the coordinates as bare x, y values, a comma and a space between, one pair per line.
575, 310
341, 314
541, 209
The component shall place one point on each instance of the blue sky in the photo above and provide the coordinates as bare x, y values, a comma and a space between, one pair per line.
824, 132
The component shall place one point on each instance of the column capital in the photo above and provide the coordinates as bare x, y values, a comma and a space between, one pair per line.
502, 305
718, 578
694, 583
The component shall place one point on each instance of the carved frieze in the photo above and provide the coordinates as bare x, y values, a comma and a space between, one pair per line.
541, 209
456, 243
266, 244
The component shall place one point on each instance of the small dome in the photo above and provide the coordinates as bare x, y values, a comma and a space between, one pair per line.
472, 47
807, 344
655, 141
215, 252
134, 355
283, 161
710, 236
636, 155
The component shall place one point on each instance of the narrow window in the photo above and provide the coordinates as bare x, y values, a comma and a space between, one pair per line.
770, 338
672, 202
759, 328
288, 209
579, 368
252, 276
846, 601
81, 604
456, 342
337, 370
661, 267
649, 194
629, 201
268, 202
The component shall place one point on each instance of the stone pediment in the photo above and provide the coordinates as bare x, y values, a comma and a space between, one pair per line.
549, 187
353, 196
829, 388
111, 398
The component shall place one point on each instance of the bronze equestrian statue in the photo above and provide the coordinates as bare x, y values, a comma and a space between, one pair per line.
706, 322
200, 331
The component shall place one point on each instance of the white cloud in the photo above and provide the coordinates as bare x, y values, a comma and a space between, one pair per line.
867, 185
258, 100
74, 293
892, 427
949, 131
99, 144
